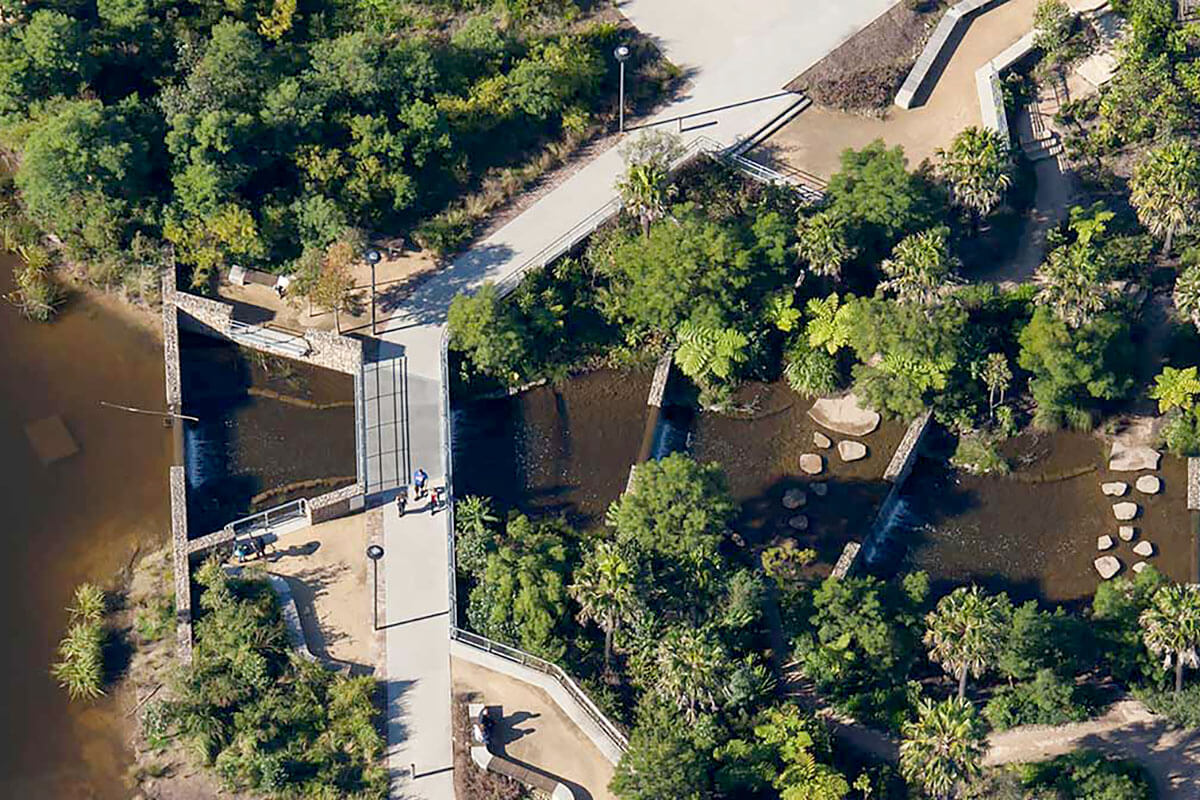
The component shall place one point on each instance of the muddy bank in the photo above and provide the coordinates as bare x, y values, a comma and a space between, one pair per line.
82, 518
1034, 532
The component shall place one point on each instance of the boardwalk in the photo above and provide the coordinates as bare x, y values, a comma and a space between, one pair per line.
732, 57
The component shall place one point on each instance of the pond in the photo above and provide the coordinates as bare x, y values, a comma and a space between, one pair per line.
85, 517
1033, 533
271, 430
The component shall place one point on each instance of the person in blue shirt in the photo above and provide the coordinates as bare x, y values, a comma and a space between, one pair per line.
419, 481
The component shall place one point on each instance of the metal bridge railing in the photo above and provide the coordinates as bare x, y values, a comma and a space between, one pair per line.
274, 340
264, 521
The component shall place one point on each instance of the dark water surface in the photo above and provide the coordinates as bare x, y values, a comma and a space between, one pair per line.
82, 518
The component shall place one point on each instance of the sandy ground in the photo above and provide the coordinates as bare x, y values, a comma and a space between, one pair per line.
326, 567
394, 277
536, 732
814, 140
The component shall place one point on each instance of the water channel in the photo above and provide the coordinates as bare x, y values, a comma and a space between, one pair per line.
84, 517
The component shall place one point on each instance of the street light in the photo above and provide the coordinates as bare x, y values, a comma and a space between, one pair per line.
373, 258
375, 552
621, 54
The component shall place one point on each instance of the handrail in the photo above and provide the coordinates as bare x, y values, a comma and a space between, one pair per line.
549, 668
447, 430
290, 510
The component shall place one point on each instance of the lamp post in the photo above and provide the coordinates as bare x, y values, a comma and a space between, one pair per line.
373, 258
375, 552
621, 54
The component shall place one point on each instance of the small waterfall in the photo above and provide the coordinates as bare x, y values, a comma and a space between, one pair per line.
206, 451
673, 433
889, 539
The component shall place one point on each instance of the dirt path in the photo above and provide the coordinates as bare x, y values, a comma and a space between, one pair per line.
1129, 730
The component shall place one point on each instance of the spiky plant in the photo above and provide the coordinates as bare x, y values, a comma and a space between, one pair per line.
942, 750
1171, 628
966, 632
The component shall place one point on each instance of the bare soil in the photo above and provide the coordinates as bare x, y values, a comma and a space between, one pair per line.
865, 72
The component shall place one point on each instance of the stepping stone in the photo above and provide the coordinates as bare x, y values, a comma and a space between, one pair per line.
798, 523
852, 451
1104, 543
812, 464
1107, 566
1125, 511
1126, 533
1125, 458
822, 441
819, 489
794, 498
1114, 489
844, 415
1140, 566
1144, 549
1149, 484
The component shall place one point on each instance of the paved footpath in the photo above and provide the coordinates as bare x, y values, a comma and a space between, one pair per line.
731, 57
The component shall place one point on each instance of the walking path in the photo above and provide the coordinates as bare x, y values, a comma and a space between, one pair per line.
732, 57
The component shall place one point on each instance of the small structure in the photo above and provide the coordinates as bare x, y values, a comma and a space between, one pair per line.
1114, 488
50, 440
1131, 458
483, 723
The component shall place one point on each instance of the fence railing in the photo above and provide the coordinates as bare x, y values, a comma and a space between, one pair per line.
549, 668
264, 521
272, 339
447, 426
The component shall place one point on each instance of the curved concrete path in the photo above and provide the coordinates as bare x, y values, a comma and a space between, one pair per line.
733, 55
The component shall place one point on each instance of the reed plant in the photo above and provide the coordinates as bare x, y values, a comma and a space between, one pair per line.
80, 668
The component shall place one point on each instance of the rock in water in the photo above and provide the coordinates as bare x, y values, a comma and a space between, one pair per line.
1114, 489
1125, 458
1126, 532
1149, 484
1125, 511
1144, 549
822, 441
812, 464
798, 523
819, 489
1104, 543
844, 415
852, 451
794, 498
1140, 566
1107, 566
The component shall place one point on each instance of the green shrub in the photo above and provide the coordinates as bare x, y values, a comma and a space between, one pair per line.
1089, 775
1046, 700
80, 668
445, 232
811, 371
1182, 708
1181, 433
156, 619
977, 454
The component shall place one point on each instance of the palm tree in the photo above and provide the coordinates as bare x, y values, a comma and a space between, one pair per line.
966, 631
606, 591
690, 667
996, 376
1166, 190
475, 514
920, 267
1071, 283
1171, 627
978, 168
822, 242
1175, 388
646, 185
1187, 294
943, 749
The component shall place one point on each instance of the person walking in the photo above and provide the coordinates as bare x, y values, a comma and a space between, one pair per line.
435, 500
419, 481
401, 500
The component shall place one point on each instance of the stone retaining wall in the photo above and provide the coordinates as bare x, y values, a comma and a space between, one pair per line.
658, 386
337, 503
179, 560
1193, 484
947, 29
987, 83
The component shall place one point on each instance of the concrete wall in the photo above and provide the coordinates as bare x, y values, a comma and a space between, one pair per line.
987, 83
338, 503
948, 32
179, 559
1193, 487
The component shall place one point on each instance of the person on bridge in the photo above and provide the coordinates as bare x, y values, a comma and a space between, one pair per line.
401, 500
419, 481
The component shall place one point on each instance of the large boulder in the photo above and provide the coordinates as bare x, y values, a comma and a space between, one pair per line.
1114, 488
812, 464
851, 451
1144, 549
844, 415
1125, 511
1131, 458
1149, 484
794, 498
1107, 566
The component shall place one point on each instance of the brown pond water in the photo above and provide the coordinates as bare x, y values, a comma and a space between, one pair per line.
1034, 533
271, 430
82, 518
553, 450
